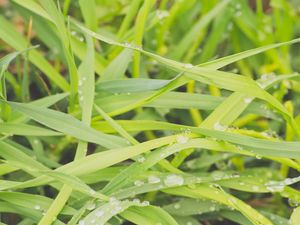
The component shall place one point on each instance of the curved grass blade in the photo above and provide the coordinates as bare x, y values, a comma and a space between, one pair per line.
67, 124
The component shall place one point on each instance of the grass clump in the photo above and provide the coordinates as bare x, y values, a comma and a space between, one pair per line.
149, 112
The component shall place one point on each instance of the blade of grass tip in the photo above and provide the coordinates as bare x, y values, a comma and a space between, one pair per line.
42, 102
138, 35
221, 62
67, 124
26, 130
216, 64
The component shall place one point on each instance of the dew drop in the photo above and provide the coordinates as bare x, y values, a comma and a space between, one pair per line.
136, 200
141, 159
188, 66
161, 14
162, 155
153, 180
127, 44
212, 208
173, 180
177, 206
293, 203
182, 139
138, 183
37, 207
81, 222
145, 203
248, 100
258, 156
219, 126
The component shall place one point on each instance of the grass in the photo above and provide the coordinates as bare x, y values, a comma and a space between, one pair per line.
149, 112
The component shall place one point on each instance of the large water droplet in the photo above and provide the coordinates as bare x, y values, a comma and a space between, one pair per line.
219, 126
37, 207
161, 14
141, 159
136, 200
153, 180
248, 100
182, 139
255, 188
177, 206
138, 183
173, 180
145, 203
127, 45
188, 66
293, 203
212, 208
258, 156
